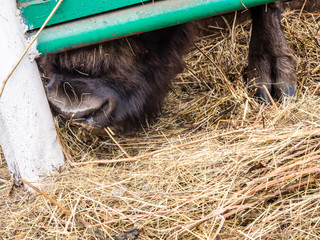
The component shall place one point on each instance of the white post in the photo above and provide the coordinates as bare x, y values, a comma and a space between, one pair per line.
27, 133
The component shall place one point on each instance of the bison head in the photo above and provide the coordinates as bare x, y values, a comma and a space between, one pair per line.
117, 83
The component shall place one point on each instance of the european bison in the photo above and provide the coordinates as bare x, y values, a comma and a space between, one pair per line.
119, 83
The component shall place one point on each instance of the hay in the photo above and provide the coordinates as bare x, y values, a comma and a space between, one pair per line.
214, 165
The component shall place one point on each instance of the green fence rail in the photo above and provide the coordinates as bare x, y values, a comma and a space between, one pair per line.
35, 12
133, 20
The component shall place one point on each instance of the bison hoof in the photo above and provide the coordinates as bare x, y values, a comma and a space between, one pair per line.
289, 91
262, 96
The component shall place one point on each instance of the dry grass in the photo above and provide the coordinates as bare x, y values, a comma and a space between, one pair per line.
215, 164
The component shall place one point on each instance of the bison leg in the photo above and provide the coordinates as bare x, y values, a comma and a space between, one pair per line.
270, 58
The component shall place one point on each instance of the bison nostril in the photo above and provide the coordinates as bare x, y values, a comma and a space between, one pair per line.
105, 114
70, 93
110, 106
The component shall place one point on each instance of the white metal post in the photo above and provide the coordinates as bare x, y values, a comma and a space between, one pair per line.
27, 133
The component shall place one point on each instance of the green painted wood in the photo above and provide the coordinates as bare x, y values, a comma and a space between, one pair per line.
133, 20
35, 12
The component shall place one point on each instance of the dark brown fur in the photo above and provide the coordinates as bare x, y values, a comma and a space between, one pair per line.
121, 82
270, 58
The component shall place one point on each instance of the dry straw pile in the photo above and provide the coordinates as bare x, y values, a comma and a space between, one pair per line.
215, 165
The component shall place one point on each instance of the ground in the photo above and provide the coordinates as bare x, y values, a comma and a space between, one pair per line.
214, 165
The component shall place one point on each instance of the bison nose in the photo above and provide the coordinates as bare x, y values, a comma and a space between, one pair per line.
78, 98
